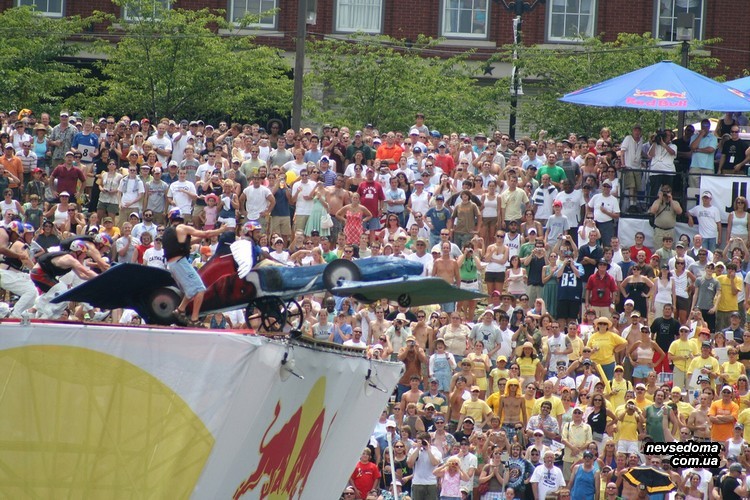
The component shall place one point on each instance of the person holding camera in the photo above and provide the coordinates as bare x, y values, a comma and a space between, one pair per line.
665, 211
662, 154
423, 458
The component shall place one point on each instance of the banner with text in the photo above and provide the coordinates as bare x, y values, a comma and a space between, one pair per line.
725, 189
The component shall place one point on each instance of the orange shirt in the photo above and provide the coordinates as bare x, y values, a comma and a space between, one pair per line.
393, 153
722, 432
14, 166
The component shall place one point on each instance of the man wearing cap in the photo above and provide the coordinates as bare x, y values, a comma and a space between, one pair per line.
61, 138
487, 331
708, 217
476, 409
67, 177
723, 415
601, 290
665, 211
734, 484
132, 191
705, 363
444, 160
631, 421
680, 353
606, 210
730, 286
433, 396
372, 196
703, 147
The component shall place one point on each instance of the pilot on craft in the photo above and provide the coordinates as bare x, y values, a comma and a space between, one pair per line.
53, 265
177, 243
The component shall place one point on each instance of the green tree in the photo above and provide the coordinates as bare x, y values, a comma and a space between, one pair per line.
549, 74
32, 74
382, 81
171, 63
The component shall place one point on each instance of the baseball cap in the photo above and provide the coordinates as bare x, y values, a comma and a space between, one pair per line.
557, 203
707, 194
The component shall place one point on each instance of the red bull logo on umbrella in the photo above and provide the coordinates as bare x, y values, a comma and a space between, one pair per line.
658, 98
287, 458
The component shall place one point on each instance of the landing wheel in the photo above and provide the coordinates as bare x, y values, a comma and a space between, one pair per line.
276, 316
160, 304
404, 300
340, 270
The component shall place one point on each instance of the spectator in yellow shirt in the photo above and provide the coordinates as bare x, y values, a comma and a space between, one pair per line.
681, 352
476, 408
705, 363
604, 344
732, 369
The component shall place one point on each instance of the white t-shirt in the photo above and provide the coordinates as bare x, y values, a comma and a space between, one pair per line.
256, 200
423, 467
590, 382
178, 191
130, 189
610, 203
304, 207
572, 203
164, 143
547, 479
154, 258
707, 219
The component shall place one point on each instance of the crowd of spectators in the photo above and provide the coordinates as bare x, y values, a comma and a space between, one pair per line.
583, 350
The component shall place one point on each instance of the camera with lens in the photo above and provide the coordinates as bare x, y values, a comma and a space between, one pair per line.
660, 136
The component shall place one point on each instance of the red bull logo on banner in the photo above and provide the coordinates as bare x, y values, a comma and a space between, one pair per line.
287, 458
658, 98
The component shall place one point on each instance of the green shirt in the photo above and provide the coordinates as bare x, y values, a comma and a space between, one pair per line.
556, 174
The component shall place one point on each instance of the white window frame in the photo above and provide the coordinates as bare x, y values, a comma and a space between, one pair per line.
445, 17
126, 16
698, 31
46, 13
341, 5
266, 26
571, 38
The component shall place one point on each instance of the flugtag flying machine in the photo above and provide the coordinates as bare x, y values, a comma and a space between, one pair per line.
267, 292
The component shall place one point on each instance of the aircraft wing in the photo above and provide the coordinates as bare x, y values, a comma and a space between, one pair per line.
407, 291
122, 285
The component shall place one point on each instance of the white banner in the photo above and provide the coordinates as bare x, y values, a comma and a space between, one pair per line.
626, 229
724, 190
108, 412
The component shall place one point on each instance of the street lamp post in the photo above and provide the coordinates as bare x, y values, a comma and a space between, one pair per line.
684, 34
306, 14
518, 7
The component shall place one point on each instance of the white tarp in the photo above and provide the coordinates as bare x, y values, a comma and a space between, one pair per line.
107, 412
724, 190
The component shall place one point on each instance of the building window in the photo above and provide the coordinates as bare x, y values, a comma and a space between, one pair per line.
135, 12
240, 8
570, 19
359, 15
666, 18
465, 18
51, 8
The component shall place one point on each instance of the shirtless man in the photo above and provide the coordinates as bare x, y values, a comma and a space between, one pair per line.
465, 372
414, 359
447, 268
378, 326
336, 197
423, 332
512, 410
458, 395
698, 421
413, 394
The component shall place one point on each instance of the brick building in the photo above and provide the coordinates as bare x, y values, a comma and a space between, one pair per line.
480, 24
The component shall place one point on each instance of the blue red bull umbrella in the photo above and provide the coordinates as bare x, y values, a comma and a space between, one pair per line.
663, 86
742, 84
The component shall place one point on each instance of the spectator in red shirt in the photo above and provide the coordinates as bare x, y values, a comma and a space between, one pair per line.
365, 475
601, 290
639, 237
67, 176
444, 160
371, 195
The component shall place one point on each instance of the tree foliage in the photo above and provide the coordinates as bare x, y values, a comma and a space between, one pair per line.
32, 74
549, 74
170, 62
382, 81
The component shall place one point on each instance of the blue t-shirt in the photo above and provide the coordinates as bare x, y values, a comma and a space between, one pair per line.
570, 286
87, 145
439, 219
281, 208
